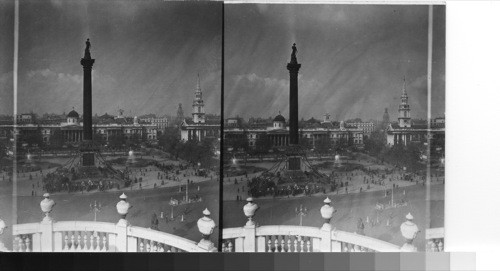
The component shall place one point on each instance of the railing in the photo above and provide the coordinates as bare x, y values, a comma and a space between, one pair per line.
87, 236
435, 239
84, 236
284, 238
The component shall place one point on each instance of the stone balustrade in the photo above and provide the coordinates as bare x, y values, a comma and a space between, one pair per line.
88, 236
435, 239
287, 238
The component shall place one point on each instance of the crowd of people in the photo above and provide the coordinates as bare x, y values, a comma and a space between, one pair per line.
65, 180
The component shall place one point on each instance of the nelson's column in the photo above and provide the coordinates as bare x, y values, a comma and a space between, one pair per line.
293, 67
87, 147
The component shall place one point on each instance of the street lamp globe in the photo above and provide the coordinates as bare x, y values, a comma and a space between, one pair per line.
327, 213
123, 206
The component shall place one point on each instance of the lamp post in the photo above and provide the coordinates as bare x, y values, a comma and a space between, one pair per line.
122, 208
301, 212
95, 207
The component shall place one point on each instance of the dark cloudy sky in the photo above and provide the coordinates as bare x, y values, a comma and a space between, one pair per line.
6, 56
353, 59
148, 54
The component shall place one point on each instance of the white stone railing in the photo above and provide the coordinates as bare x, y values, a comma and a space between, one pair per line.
283, 238
85, 236
88, 236
435, 239
287, 238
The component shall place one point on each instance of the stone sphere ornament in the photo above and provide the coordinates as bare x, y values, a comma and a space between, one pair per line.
46, 205
249, 210
409, 230
206, 225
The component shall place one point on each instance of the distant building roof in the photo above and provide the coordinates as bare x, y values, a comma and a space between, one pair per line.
73, 114
279, 117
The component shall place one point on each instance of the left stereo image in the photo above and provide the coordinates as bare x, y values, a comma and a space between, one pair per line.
110, 120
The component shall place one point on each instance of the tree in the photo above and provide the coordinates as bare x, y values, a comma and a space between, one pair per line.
263, 144
3, 150
322, 145
170, 141
34, 139
56, 140
116, 141
236, 143
99, 139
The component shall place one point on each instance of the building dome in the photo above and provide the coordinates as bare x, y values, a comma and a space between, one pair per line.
279, 118
73, 114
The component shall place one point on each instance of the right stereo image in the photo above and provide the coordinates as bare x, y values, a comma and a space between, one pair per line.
334, 128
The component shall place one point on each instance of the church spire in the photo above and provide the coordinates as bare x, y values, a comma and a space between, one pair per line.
198, 105
404, 108
404, 86
198, 88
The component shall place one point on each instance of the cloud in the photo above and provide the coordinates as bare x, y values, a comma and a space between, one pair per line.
353, 59
6, 93
147, 53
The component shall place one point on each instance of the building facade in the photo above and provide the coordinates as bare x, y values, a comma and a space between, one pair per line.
71, 131
276, 134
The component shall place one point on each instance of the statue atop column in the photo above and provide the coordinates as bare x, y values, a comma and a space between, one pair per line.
87, 49
294, 54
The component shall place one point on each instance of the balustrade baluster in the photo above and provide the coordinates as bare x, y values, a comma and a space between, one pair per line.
269, 246
230, 246
15, 244
141, 245
283, 243
302, 245
296, 245
73, 241
98, 241
289, 244
224, 247
440, 245
27, 242
433, 246
21, 244
148, 246
66, 241
104, 243
79, 240
160, 248
276, 244
308, 245
155, 248
85, 239
92, 237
